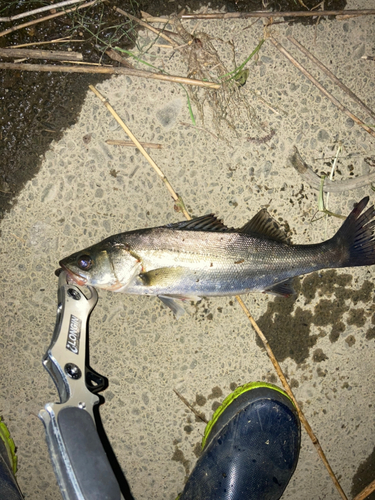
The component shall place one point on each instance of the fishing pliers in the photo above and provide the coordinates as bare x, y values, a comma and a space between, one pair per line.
80, 462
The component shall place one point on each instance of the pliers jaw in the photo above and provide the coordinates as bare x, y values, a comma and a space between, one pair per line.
66, 358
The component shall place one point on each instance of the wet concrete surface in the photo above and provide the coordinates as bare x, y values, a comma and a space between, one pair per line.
82, 190
37, 107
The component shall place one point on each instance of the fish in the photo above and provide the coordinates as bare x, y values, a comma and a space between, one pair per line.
204, 258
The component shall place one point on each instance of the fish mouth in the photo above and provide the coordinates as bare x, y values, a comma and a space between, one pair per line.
72, 278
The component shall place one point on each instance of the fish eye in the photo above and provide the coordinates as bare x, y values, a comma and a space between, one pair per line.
85, 262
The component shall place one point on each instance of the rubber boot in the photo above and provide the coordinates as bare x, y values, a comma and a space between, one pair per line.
250, 447
9, 489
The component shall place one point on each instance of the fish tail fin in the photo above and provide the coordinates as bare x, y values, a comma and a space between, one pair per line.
356, 239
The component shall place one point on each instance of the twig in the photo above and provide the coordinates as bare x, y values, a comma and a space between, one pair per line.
251, 319
186, 402
53, 55
109, 71
320, 87
321, 206
246, 15
347, 16
302, 4
130, 144
366, 492
174, 195
279, 111
152, 19
86, 63
41, 9
46, 18
368, 58
310, 177
200, 128
117, 57
145, 25
288, 390
164, 46
334, 165
58, 40
332, 76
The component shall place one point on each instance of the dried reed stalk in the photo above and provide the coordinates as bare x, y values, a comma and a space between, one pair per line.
109, 71
47, 18
117, 57
130, 144
325, 92
53, 55
246, 15
366, 492
40, 9
332, 76
172, 192
33, 44
288, 390
275, 363
147, 26
186, 402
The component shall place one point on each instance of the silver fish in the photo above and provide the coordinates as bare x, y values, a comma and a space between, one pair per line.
202, 257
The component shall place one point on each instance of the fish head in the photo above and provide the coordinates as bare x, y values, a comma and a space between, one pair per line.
104, 265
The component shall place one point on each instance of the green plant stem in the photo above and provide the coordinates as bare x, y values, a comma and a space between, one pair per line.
321, 205
237, 70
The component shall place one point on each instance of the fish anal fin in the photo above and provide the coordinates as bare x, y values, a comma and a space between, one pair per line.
284, 288
263, 224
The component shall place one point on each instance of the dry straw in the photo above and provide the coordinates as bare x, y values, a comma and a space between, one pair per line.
274, 361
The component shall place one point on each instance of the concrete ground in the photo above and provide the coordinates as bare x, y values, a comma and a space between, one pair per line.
87, 190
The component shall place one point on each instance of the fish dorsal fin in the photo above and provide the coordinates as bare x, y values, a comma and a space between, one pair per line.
263, 224
205, 223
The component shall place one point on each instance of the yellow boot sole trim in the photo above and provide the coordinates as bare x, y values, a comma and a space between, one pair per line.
232, 396
9, 444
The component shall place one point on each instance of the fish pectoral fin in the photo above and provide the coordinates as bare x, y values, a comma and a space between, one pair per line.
164, 276
284, 288
175, 307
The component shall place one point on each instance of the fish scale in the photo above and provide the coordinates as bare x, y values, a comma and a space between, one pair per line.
220, 264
